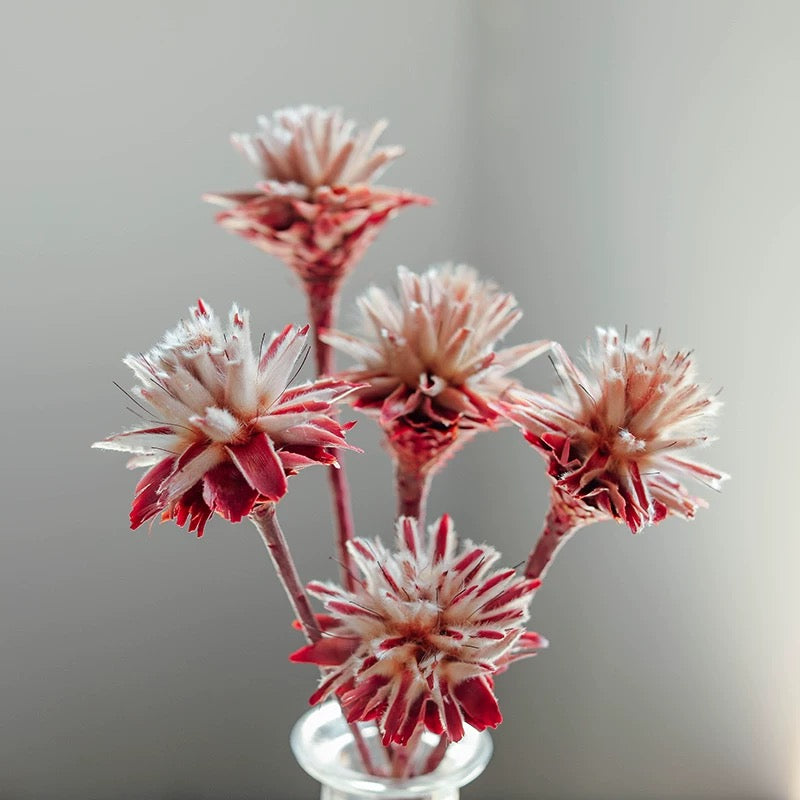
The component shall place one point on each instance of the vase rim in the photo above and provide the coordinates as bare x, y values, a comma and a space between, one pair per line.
318, 739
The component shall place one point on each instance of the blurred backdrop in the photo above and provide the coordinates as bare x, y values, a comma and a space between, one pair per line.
610, 163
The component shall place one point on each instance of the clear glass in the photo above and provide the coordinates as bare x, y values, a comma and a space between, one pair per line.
324, 748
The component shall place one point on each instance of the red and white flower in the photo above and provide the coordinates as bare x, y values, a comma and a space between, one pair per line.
419, 639
315, 208
428, 362
226, 429
615, 436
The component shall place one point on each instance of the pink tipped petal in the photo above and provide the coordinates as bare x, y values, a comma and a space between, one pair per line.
278, 363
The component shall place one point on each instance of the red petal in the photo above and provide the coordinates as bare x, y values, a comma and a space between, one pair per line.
330, 651
453, 720
443, 533
508, 596
357, 701
397, 713
465, 562
409, 530
228, 493
297, 457
433, 718
146, 503
324, 688
478, 703
259, 463
399, 403
413, 718
191, 506
494, 580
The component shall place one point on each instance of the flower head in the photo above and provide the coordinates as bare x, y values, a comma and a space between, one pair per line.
226, 431
308, 147
428, 362
419, 639
315, 208
615, 437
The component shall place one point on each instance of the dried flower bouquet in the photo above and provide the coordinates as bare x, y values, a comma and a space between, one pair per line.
414, 636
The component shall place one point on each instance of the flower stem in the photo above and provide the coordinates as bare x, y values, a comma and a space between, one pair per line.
323, 303
437, 754
266, 521
404, 761
564, 517
412, 492
323, 300
340, 491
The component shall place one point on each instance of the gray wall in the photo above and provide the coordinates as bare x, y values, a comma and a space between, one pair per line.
610, 163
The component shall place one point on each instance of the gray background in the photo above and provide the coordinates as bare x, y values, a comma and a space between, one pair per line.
610, 163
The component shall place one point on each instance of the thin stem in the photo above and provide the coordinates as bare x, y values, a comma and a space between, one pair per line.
345, 527
412, 492
405, 760
322, 307
437, 754
323, 304
266, 521
363, 748
564, 517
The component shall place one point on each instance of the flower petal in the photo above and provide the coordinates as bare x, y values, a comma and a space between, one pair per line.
478, 703
261, 466
226, 491
148, 501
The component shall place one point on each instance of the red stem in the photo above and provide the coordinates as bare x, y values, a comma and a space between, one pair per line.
363, 748
322, 306
564, 517
337, 478
437, 754
412, 492
323, 303
266, 521
404, 762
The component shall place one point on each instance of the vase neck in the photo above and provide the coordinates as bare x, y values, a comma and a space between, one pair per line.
329, 793
324, 747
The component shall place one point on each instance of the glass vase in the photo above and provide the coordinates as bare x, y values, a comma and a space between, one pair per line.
323, 746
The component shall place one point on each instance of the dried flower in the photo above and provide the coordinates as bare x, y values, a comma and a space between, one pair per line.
227, 431
614, 438
314, 209
428, 362
309, 147
418, 640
